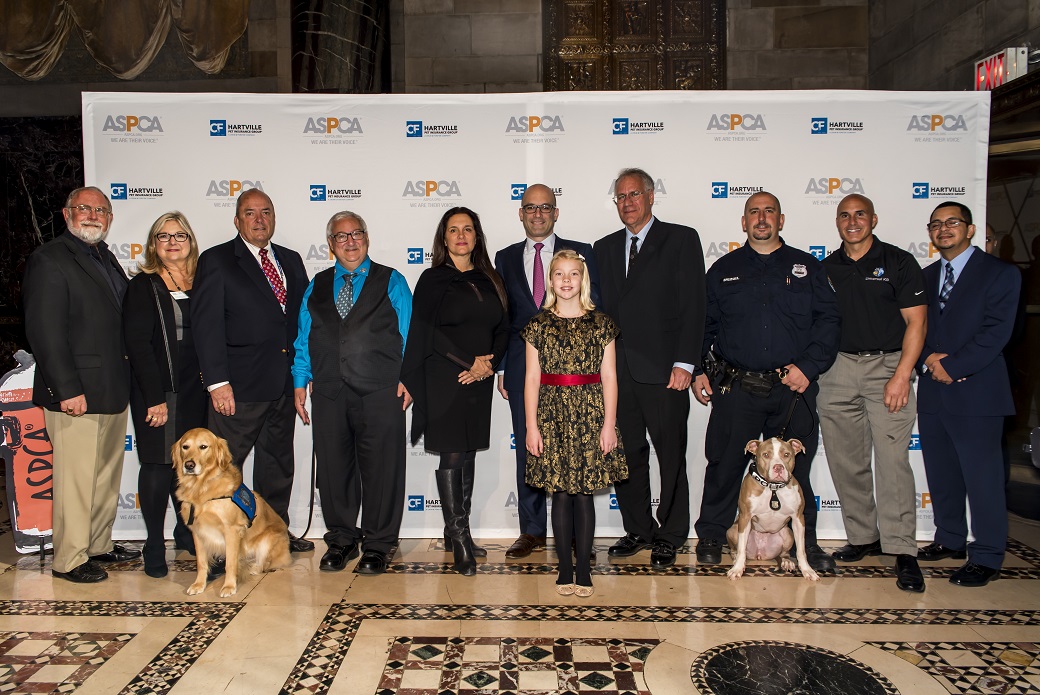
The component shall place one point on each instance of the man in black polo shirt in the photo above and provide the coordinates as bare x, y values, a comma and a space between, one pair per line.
867, 398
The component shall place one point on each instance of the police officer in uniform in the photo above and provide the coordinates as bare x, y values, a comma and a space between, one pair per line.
772, 328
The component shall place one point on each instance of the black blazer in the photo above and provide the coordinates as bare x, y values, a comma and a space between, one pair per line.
74, 325
660, 305
972, 330
509, 262
241, 334
151, 337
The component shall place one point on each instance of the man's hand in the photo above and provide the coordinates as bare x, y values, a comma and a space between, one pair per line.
157, 415
897, 393
680, 379
223, 398
300, 400
502, 386
938, 372
402, 392
75, 406
795, 379
702, 389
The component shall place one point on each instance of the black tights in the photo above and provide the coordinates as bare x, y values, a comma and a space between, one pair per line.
457, 459
156, 484
573, 518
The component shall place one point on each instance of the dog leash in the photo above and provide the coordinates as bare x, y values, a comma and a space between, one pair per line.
790, 415
314, 468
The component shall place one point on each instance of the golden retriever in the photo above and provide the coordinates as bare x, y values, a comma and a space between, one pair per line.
206, 479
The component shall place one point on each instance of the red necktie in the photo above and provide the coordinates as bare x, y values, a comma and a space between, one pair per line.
273, 277
538, 276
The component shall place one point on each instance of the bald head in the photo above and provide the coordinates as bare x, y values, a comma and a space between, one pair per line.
538, 212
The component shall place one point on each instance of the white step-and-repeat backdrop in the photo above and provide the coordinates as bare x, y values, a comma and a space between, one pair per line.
401, 160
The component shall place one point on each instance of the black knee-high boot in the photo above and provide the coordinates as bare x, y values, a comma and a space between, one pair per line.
456, 528
468, 471
182, 537
153, 489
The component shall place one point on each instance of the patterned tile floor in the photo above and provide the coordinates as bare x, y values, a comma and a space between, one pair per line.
422, 629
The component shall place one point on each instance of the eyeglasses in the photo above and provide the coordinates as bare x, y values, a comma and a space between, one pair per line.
633, 196
177, 236
341, 237
87, 209
544, 207
952, 223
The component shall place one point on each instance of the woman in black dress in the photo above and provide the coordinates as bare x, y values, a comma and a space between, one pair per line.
457, 337
167, 397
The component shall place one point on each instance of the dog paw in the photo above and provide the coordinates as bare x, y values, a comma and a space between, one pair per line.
735, 572
810, 574
228, 590
195, 589
787, 564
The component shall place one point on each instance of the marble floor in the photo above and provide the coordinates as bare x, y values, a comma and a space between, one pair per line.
421, 629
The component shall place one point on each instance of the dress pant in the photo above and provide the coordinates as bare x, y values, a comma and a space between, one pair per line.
877, 502
962, 460
267, 428
662, 413
360, 445
88, 465
530, 500
737, 418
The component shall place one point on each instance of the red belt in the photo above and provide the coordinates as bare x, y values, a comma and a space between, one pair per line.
569, 379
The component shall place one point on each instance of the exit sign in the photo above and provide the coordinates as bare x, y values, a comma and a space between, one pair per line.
1000, 68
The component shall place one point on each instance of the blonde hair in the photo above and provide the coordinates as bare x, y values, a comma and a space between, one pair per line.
151, 263
585, 297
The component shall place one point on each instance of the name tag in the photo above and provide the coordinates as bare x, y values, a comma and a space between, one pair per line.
177, 294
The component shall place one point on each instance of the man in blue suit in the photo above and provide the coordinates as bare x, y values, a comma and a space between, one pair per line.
523, 266
965, 394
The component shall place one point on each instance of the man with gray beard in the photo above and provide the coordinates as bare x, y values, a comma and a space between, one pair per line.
72, 294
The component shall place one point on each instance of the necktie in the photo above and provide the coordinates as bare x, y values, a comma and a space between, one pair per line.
273, 277
345, 298
633, 251
538, 276
947, 287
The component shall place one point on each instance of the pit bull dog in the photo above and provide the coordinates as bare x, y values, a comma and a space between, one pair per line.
769, 497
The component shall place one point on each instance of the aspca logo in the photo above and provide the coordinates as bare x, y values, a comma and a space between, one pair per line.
416, 256
426, 189
530, 124
930, 123
922, 249
126, 252
924, 500
132, 124
229, 188
818, 252
517, 190
128, 501
328, 125
732, 121
319, 252
219, 128
122, 191
833, 185
659, 188
320, 192
717, 249
416, 503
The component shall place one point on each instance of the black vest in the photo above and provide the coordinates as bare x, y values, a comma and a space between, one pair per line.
362, 350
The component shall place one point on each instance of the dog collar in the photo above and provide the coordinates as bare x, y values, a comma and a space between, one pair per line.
774, 501
243, 498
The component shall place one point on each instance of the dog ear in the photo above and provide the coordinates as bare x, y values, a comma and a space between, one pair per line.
223, 453
175, 454
797, 446
752, 446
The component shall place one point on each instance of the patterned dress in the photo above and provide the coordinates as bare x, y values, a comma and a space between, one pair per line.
570, 417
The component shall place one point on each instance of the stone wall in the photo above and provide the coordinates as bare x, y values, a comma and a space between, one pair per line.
466, 46
797, 44
934, 45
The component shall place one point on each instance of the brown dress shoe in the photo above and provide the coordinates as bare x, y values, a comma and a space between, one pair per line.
524, 546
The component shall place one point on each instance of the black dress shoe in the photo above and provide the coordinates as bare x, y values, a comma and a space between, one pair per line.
372, 562
217, 568
663, 555
971, 574
850, 552
908, 574
337, 557
819, 559
524, 545
300, 545
118, 553
628, 545
87, 573
709, 551
937, 551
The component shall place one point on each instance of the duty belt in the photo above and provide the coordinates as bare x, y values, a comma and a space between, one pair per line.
755, 383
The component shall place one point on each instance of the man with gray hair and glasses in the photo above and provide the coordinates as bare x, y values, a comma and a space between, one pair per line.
73, 294
353, 328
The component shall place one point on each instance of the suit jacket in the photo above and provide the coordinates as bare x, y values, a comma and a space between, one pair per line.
74, 325
241, 333
660, 305
509, 262
972, 330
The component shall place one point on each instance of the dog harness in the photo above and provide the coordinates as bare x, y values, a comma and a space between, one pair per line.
243, 498
774, 501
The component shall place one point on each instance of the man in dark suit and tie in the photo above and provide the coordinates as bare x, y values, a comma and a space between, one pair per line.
244, 312
73, 292
522, 267
964, 395
652, 284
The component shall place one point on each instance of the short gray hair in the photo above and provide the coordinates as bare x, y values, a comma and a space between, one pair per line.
344, 215
76, 192
648, 181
